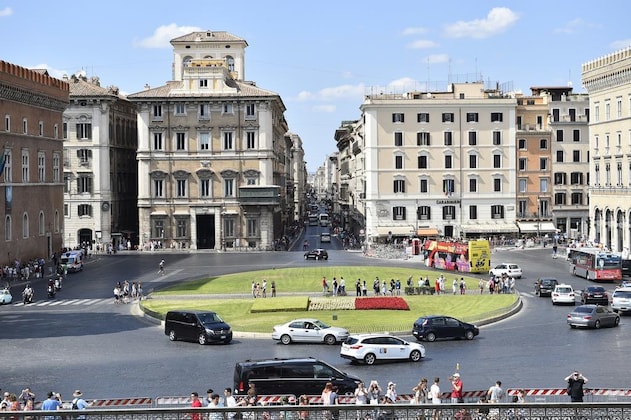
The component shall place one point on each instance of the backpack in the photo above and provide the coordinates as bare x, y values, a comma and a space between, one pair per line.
74, 404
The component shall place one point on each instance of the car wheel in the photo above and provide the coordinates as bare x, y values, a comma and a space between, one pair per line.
201, 339
285, 339
306, 257
469, 335
597, 324
330, 340
370, 359
172, 335
415, 356
616, 321
431, 337
572, 326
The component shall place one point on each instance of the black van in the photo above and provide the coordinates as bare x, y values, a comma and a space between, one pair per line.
200, 326
291, 376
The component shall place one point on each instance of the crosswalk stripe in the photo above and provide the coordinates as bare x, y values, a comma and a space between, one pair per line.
67, 302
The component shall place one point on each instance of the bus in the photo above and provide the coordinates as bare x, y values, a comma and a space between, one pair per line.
467, 257
595, 264
313, 220
324, 219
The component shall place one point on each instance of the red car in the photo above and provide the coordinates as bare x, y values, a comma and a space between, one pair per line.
595, 294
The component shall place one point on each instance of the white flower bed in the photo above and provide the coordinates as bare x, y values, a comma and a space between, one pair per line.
339, 303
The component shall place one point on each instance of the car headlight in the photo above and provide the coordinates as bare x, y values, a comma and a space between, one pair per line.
209, 331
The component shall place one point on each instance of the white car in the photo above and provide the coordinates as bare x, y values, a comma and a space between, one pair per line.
621, 299
325, 237
369, 348
511, 270
563, 293
308, 330
5, 297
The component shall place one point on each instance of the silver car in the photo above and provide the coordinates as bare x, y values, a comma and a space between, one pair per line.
592, 316
308, 330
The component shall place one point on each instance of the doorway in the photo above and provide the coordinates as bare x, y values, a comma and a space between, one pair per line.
205, 231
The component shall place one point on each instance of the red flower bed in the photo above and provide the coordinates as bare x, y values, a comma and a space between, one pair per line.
382, 302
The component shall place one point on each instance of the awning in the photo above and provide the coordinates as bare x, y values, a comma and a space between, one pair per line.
490, 228
427, 232
159, 213
534, 227
395, 230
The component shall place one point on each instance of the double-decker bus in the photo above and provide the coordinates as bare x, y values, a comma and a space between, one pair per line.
595, 264
468, 257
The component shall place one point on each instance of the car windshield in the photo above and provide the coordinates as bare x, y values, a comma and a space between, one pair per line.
209, 318
583, 310
563, 290
548, 282
622, 294
596, 289
320, 324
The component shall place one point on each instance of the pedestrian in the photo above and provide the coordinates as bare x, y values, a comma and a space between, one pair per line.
374, 392
454, 286
117, 294
195, 403
481, 286
78, 403
391, 392
463, 286
434, 393
264, 288
358, 288
325, 286
230, 401
421, 392
456, 388
253, 289
361, 394
273, 288
495, 394
364, 289
26, 395
52, 403
139, 291
334, 286
575, 382
215, 402
342, 286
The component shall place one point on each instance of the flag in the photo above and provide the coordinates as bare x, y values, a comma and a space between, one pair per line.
3, 159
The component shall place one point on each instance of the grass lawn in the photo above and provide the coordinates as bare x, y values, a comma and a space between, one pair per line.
260, 315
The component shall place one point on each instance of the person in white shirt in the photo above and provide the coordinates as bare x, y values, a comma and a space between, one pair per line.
434, 394
495, 393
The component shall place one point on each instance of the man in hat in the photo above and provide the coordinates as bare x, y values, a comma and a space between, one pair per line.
456, 388
78, 403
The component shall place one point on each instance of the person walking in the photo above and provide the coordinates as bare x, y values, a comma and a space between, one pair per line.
495, 394
161, 267
575, 382
273, 285
434, 393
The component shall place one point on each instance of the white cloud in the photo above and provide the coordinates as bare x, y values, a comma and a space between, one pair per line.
437, 58
329, 109
405, 84
351, 92
497, 21
414, 31
620, 44
162, 36
575, 25
7, 11
422, 44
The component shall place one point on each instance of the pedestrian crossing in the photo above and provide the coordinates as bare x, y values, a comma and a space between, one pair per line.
67, 302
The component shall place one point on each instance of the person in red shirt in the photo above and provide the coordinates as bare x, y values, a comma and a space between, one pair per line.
456, 388
195, 403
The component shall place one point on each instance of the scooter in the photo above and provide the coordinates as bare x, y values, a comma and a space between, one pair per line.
27, 295
51, 291
58, 283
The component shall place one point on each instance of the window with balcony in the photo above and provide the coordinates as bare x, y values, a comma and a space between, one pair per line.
204, 140
228, 140
398, 213
157, 141
250, 140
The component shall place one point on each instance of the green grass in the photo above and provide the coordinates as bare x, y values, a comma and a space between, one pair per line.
260, 315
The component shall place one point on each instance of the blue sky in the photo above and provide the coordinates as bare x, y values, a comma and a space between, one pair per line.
322, 57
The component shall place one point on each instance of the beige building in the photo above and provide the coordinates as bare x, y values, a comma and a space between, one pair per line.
214, 153
608, 82
440, 163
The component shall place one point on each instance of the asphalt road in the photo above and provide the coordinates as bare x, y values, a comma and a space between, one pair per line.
85, 341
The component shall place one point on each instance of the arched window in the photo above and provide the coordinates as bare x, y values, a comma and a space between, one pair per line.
25, 226
7, 228
230, 62
42, 225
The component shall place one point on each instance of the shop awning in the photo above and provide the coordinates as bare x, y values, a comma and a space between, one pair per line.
427, 232
395, 230
490, 228
534, 227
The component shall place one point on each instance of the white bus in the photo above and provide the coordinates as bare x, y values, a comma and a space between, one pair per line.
324, 219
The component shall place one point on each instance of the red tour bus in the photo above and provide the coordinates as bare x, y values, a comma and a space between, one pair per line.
595, 264
468, 257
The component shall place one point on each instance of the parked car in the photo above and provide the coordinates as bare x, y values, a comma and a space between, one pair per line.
621, 300
563, 293
438, 326
545, 286
325, 237
308, 330
511, 270
5, 297
317, 254
595, 294
370, 348
200, 326
592, 316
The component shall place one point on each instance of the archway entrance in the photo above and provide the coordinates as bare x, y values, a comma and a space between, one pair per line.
205, 231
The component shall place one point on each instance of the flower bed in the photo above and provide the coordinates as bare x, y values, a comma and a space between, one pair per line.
331, 304
382, 302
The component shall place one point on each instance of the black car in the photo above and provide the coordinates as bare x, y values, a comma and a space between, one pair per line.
201, 326
317, 254
437, 326
545, 285
595, 294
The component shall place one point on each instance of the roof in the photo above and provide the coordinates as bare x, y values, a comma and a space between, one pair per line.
167, 91
208, 35
80, 86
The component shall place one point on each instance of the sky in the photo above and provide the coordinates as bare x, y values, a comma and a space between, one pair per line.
323, 57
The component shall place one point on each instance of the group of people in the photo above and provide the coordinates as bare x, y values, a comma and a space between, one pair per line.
126, 291
26, 402
259, 289
498, 284
337, 288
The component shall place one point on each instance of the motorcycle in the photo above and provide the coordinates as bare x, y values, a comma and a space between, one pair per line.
27, 295
51, 291
58, 283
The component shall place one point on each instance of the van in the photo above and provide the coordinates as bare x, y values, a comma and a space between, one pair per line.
201, 326
72, 260
291, 376
621, 299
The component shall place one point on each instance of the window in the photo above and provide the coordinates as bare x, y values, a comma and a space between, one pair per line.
252, 227
7, 228
25, 229
84, 184
180, 109
24, 126
422, 162
56, 167
523, 164
204, 140
66, 210
449, 212
543, 164
180, 141
559, 155
204, 187
8, 163
64, 130
84, 210
448, 161
158, 228
555, 114
543, 185
522, 206
181, 227
473, 185
251, 180
473, 138
399, 186
203, 83
472, 117
518, 123
576, 155
84, 131
559, 135
56, 131
576, 135
597, 174
521, 144
497, 161
7, 123
157, 112
560, 198
422, 117
473, 161
158, 188
424, 186
398, 162
497, 138
422, 139
66, 182
577, 198
576, 178
424, 213
250, 140
228, 142
473, 212
398, 213
25, 164
539, 122
398, 117
619, 173
398, 139
596, 113
497, 184
250, 111
607, 111
41, 128
497, 117
497, 212
448, 138
560, 178
523, 183
228, 187
157, 141
180, 188
543, 144
41, 166
204, 112
449, 186
448, 117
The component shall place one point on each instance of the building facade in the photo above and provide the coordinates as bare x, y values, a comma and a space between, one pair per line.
31, 106
214, 154
607, 80
100, 170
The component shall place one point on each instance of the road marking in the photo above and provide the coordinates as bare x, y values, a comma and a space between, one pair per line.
73, 302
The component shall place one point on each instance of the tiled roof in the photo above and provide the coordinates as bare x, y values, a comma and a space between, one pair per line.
81, 87
220, 36
246, 89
